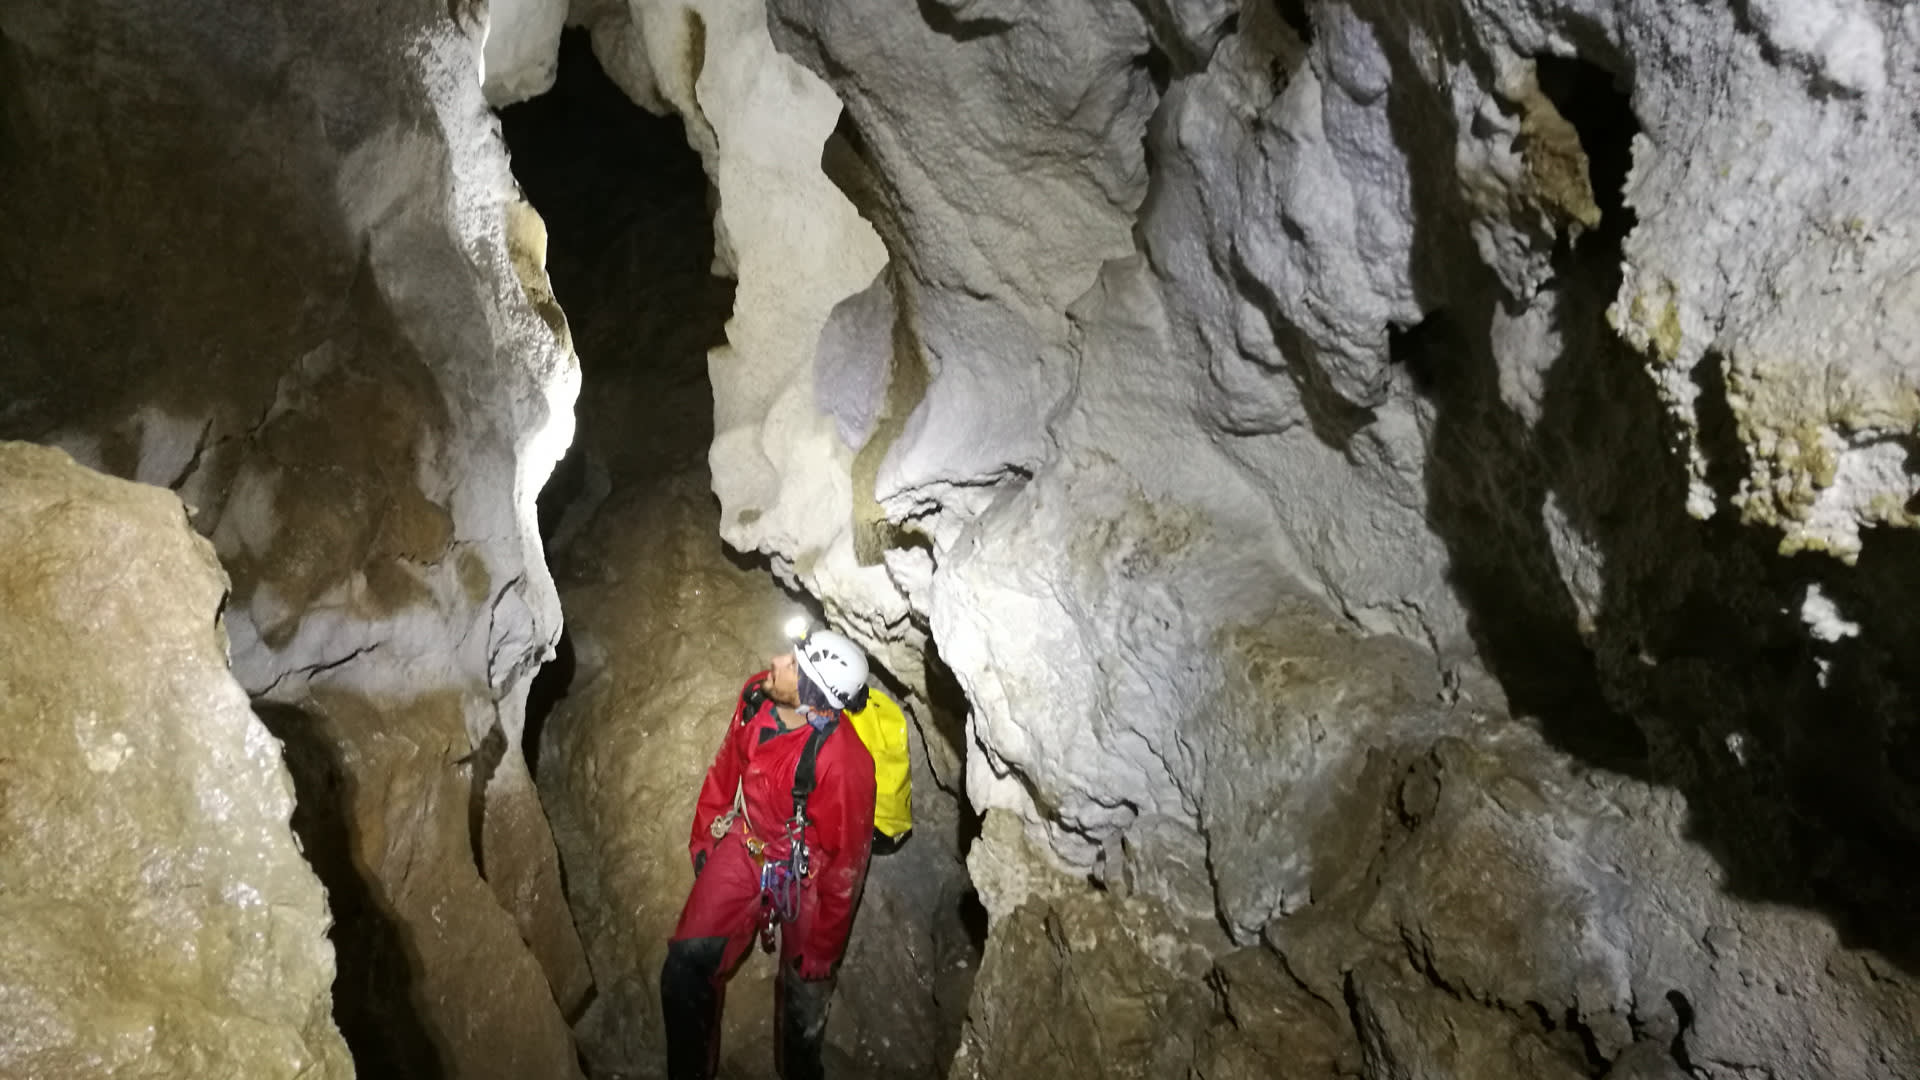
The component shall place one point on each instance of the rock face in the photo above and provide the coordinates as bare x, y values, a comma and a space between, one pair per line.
1478, 907
1260, 394
1416, 496
270, 256
663, 625
159, 918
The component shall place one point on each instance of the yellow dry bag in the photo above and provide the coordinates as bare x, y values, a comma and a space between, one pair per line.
883, 727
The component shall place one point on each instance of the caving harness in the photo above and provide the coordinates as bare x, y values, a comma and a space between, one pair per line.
781, 879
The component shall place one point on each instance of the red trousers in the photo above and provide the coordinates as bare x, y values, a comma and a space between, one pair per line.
725, 903
716, 930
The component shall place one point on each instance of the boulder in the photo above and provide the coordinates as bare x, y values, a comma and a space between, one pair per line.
160, 920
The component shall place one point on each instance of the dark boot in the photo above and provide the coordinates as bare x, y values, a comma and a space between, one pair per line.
691, 995
800, 1023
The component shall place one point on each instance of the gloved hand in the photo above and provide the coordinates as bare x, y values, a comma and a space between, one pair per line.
813, 968
699, 863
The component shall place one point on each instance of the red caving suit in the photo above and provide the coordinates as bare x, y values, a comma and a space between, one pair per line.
759, 759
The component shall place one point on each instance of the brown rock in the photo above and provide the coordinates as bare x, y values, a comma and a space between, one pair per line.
1081, 986
1410, 1032
434, 976
158, 917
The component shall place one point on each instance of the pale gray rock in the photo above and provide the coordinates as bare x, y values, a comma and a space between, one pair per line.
160, 921
522, 43
1369, 351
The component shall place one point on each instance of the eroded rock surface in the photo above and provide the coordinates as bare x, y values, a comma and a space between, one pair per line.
271, 256
159, 919
1471, 905
1467, 369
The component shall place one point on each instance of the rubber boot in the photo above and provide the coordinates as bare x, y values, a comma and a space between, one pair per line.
691, 996
800, 1024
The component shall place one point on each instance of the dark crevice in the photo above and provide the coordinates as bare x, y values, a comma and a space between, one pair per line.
1602, 114
948, 25
1417, 350
1596, 1061
1294, 13
375, 976
1683, 1017
567, 484
1159, 68
481, 765
1718, 433
630, 255
948, 704
973, 919
551, 684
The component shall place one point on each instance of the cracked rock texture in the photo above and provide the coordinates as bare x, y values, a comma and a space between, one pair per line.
270, 256
1257, 394
664, 624
160, 921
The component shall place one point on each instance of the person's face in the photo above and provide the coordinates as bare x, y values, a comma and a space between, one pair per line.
783, 685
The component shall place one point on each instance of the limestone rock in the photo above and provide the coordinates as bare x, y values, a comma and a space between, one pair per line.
159, 918
1366, 348
1410, 1033
1272, 1026
761, 123
1085, 986
434, 978
271, 256
523, 38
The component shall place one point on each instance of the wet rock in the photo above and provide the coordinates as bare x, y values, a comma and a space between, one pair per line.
159, 917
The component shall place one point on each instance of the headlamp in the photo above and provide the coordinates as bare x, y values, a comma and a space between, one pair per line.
797, 628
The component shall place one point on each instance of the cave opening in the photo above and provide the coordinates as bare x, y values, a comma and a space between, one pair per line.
631, 254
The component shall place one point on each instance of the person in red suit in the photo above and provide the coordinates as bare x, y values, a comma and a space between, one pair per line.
781, 837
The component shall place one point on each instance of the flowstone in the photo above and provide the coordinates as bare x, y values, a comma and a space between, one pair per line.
160, 920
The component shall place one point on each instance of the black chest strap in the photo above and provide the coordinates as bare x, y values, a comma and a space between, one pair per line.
804, 773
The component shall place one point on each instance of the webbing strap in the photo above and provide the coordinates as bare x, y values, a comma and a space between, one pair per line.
804, 779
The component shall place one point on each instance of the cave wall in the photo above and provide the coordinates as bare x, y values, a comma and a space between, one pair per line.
1546, 357
270, 256
1414, 494
160, 920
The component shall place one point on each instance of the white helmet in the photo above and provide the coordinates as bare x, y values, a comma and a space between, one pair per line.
833, 663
